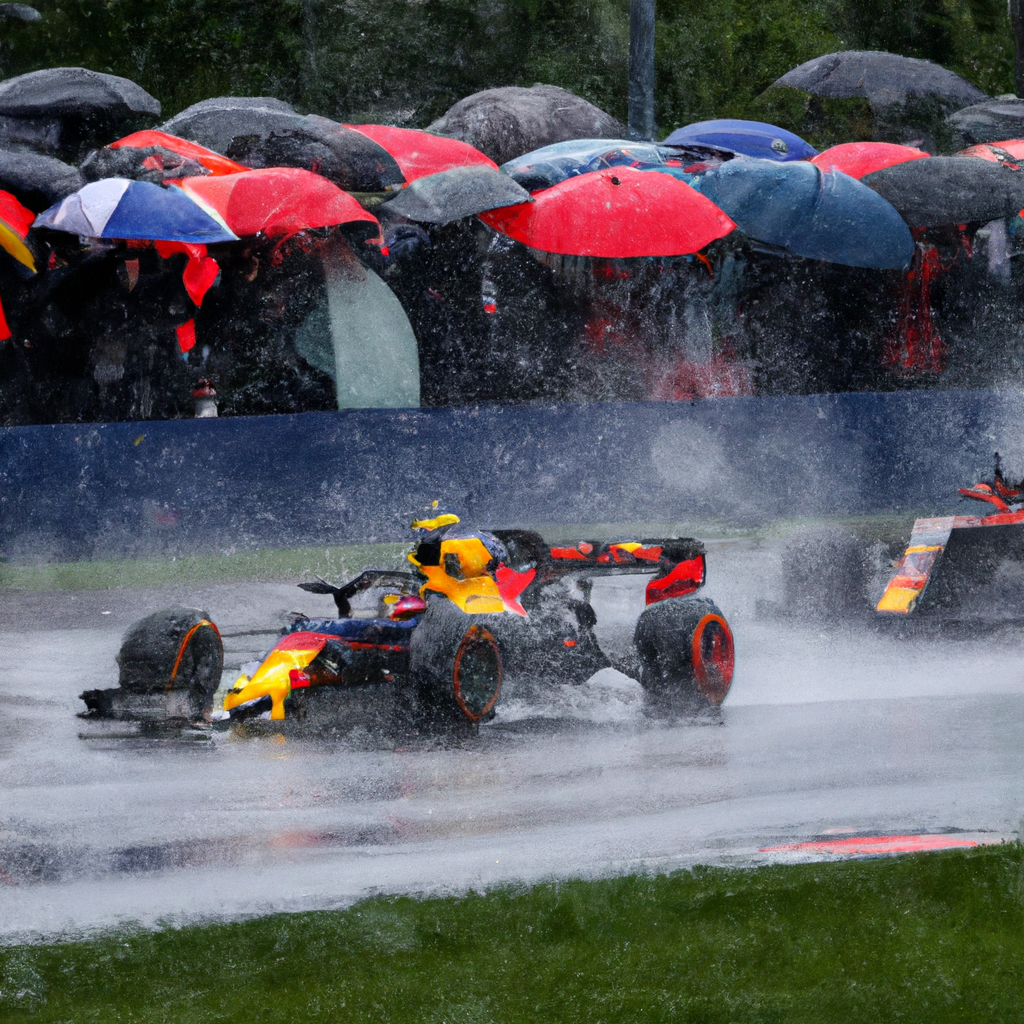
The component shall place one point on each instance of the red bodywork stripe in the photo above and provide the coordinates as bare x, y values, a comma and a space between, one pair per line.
567, 553
316, 641
648, 554
303, 641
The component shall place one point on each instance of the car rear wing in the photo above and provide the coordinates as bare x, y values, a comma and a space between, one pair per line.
676, 563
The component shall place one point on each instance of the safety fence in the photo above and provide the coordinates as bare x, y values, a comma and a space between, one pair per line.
181, 486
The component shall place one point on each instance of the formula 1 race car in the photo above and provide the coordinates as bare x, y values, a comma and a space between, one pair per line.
950, 559
479, 607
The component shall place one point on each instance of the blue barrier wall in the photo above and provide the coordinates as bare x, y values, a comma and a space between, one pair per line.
92, 490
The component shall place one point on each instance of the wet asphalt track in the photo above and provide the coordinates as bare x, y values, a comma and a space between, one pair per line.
830, 729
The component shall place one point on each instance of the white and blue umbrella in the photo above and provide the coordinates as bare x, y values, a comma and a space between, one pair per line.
120, 208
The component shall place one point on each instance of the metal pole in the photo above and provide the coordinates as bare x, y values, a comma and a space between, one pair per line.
1016, 12
641, 69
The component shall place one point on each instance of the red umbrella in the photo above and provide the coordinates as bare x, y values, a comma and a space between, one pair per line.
1009, 152
213, 162
420, 153
614, 214
275, 201
859, 158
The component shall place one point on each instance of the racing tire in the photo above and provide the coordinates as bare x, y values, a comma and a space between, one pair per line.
175, 649
685, 649
455, 667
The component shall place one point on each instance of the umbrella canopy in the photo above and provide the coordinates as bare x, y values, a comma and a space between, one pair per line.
38, 181
19, 12
74, 92
119, 208
548, 166
419, 153
859, 158
271, 137
206, 158
15, 220
983, 122
275, 201
950, 190
750, 138
614, 214
881, 78
451, 195
820, 215
506, 122
66, 111
1007, 151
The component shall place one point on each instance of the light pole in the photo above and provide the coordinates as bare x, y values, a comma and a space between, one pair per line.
641, 68
1016, 12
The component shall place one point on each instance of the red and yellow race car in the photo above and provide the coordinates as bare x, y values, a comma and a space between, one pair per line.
479, 606
951, 558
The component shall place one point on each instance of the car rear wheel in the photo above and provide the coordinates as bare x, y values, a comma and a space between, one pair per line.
685, 648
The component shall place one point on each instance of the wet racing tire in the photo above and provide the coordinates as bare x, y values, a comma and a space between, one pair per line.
175, 649
685, 648
455, 666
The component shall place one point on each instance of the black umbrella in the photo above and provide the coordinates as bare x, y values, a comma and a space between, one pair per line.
269, 136
456, 193
37, 181
64, 109
508, 122
136, 164
992, 121
946, 190
881, 78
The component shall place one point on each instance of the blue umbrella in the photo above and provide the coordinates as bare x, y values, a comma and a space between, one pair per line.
823, 216
550, 165
749, 138
119, 208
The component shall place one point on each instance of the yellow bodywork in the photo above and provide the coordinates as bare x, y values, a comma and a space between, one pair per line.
472, 589
271, 680
911, 575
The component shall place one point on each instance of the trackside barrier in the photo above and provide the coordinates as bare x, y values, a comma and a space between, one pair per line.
181, 486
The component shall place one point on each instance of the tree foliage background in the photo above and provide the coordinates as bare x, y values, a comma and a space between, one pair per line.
407, 61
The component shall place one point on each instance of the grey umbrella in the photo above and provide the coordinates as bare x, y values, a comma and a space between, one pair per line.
993, 121
74, 92
19, 12
65, 109
946, 190
269, 136
508, 122
881, 78
37, 181
456, 193
232, 103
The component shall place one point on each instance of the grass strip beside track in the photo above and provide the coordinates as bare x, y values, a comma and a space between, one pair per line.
930, 937
333, 563
338, 562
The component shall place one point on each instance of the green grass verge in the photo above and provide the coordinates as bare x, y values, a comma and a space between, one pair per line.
931, 937
333, 563
341, 561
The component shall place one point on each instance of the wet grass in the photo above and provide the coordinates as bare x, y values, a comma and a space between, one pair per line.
333, 563
339, 562
931, 937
